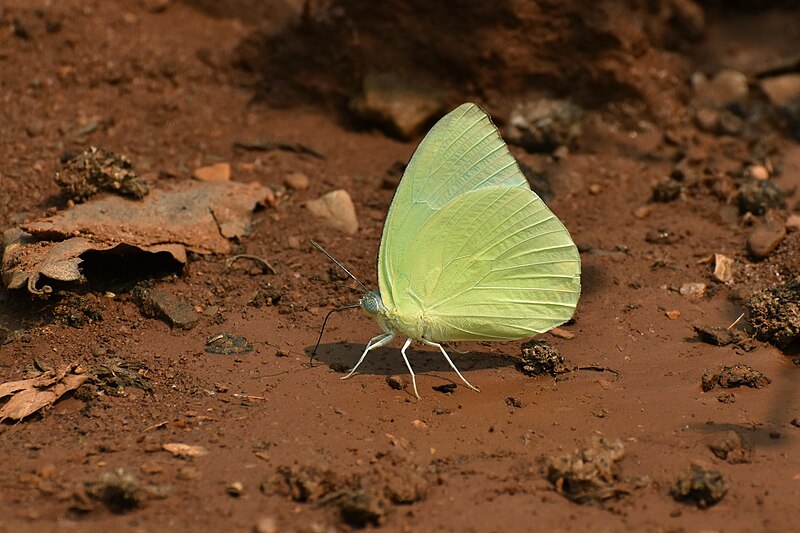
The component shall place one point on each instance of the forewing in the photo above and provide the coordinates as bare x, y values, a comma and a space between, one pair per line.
463, 152
493, 264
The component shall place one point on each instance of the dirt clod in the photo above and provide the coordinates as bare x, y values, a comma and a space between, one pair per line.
121, 492
732, 447
734, 376
115, 375
699, 486
589, 475
305, 483
757, 197
95, 170
775, 313
539, 357
363, 507
542, 125
667, 190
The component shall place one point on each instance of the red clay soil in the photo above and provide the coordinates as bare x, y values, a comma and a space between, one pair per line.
173, 85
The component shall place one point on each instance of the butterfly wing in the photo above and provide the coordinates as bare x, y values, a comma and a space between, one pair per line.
492, 264
462, 152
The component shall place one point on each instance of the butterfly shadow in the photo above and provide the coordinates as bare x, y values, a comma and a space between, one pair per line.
388, 361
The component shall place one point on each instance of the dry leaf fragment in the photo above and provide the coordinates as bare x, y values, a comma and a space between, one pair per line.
29, 395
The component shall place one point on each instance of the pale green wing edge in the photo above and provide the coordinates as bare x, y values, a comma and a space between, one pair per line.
461, 153
493, 264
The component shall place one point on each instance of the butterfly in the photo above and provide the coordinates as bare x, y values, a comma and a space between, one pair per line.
468, 252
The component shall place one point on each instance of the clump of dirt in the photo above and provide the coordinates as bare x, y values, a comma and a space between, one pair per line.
78, 310
667, 190
775, 313
364, 506
589, 475
734, 376
306, 483
96, 170
265, 296
362, 499
539, 357
699, 486
733, 448
122, 492
759, 196
115, 375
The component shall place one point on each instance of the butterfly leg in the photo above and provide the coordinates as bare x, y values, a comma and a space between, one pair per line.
375, 342
405, 358
452, 365
453, 347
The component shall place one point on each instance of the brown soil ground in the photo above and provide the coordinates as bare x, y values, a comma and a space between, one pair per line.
173, 85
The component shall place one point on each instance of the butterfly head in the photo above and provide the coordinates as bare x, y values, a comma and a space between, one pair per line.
372, 304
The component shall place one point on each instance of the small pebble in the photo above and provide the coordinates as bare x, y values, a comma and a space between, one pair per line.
793, 223
297, 181
673, 314
643, 211
693, 289
266, 525
217, 172
294, 242
758, 172
235, 489
396, 382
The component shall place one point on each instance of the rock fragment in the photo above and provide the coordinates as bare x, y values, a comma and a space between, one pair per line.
337, 209
297, 181
215, 172
765, 239
165, 306
401, 105
723, 268
782, 90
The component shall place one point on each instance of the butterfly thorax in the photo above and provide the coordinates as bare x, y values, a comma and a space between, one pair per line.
391, 320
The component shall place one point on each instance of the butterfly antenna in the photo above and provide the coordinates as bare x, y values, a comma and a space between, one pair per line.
321, 249
321, 331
